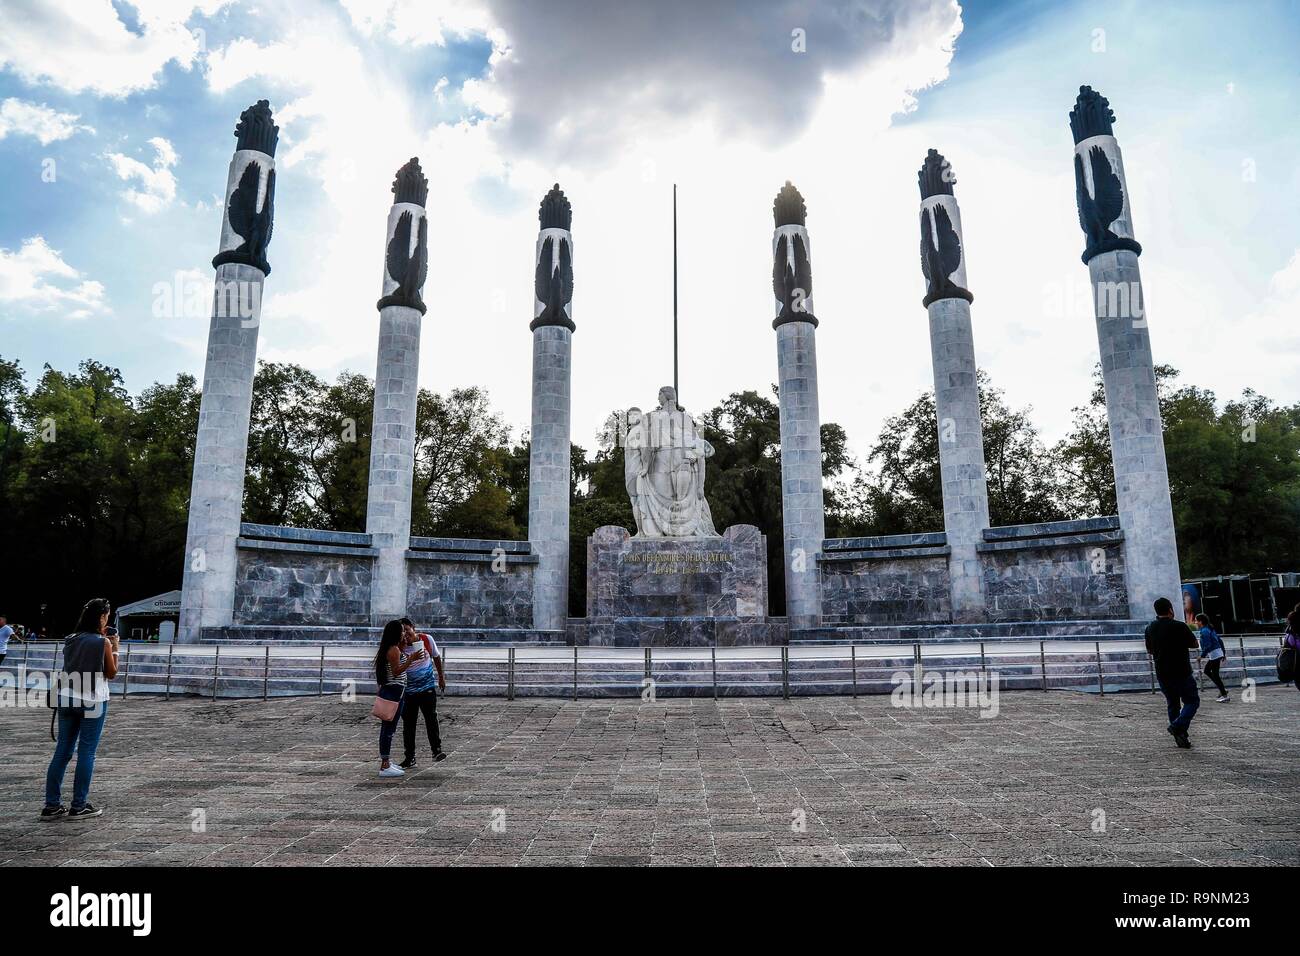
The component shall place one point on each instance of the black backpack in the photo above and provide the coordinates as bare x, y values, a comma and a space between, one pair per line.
1286, 663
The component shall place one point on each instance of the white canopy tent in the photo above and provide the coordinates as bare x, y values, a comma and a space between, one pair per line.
166, 606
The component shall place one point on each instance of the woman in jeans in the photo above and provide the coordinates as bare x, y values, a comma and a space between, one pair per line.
89, 663
1213, 653
390, 675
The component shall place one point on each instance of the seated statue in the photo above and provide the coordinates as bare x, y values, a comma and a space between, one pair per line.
664, 457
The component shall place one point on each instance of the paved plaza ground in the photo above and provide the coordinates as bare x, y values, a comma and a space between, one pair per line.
744, 781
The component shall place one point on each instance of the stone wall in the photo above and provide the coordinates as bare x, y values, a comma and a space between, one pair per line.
465, 582
302, 576
1056, 571
891, 579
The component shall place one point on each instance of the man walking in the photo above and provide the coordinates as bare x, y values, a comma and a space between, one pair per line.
1167, 642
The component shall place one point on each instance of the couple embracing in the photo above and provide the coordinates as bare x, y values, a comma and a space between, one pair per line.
408, 670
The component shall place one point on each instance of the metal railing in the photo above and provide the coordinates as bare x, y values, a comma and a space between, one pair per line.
265, 671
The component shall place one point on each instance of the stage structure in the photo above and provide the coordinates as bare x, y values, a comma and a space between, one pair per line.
674, 579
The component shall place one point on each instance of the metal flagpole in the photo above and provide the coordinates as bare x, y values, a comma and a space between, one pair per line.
676, 387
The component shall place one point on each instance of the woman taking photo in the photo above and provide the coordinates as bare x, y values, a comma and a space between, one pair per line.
390, 675
89, 663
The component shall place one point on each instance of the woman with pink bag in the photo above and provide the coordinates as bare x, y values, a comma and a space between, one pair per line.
390, 675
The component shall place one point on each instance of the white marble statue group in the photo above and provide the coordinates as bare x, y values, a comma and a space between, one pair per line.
664, 457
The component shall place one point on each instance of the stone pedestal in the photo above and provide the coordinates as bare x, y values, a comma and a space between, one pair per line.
677, 592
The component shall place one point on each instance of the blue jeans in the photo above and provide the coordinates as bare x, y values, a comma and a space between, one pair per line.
389, 727
79, 730
1183, 700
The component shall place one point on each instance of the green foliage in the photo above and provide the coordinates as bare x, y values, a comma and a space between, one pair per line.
904, 493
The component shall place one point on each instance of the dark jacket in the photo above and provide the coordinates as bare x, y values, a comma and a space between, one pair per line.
1167, 642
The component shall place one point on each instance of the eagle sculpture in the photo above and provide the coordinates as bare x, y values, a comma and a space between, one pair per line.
940, 256
252, 225
553, 283
408, 269
792, 283
1098, 211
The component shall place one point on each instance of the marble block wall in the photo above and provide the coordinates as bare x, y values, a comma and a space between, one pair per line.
890, 579
302, 576
460, 582
1056, 571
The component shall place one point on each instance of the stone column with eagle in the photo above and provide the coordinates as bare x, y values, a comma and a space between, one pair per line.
803, 515
221, 444
549, 449
1127, 368
956, 388
397, 385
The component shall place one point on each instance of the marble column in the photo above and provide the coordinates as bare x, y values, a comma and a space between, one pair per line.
803, 515
1127, 367
549, 445
956, 387
221, 444
397, 386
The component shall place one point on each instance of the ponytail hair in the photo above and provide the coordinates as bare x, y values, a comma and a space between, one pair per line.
89, 620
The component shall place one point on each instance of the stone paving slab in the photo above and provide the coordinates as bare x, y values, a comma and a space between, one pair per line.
742, 782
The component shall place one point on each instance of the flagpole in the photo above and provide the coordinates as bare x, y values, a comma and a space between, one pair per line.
675, 385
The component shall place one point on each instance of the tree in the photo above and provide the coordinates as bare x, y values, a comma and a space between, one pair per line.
904, 494
278, 481
1234, 475
461, 463
339, 454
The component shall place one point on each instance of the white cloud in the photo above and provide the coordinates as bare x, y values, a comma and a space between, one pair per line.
45, 124
420, 22
87, 46
156, 183
36, 278
580, 77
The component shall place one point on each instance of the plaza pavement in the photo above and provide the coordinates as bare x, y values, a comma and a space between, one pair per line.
818, 781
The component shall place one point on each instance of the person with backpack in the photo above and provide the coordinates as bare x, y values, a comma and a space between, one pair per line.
1213, 653
422, 688
1286, 658
390, 676
1167, 641
80, 698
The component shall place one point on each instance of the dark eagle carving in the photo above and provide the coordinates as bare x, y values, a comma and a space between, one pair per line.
553, 284
940, 257
408, 269
1098, 211
252, 225
792, 284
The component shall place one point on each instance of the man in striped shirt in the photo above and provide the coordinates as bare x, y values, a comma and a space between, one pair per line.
423, 681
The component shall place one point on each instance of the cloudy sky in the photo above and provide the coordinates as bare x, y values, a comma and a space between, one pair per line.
116, 122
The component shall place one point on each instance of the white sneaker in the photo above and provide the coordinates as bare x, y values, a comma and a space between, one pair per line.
392, 770
1223, 699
